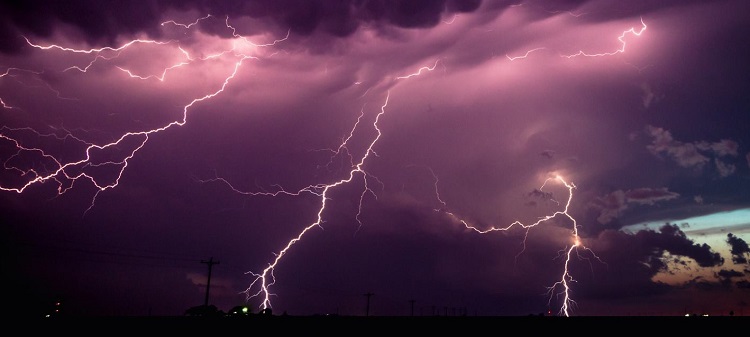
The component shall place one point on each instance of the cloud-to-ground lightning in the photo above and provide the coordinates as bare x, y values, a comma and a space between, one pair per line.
260, 286
65, 173
561, 287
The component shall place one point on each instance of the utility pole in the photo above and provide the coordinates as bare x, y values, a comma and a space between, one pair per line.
210, 264
367, 309
412, 306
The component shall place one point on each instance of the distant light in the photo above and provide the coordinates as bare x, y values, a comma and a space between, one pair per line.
244, 310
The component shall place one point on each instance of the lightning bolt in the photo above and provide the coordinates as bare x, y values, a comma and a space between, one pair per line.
264, 280
65, 173
5, 105
620, 38
419, 72
525, 55
186, 26
561, 287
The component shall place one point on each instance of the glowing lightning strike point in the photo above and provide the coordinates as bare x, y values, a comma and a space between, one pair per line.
565, 278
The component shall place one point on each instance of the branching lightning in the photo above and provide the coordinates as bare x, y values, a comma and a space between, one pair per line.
65, 173
621, 38
561, 287
186, 26
632, 31
61, 173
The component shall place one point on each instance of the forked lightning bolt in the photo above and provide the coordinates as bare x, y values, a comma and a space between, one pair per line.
65, 174
561, 287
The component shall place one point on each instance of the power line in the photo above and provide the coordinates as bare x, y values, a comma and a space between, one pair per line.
210, 264
367, 309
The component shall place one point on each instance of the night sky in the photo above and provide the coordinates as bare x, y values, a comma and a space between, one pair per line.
479, 158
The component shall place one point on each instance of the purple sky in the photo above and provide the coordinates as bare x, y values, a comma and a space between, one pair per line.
415, 150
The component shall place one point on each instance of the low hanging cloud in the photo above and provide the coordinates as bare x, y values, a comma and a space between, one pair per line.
693, 154
728, 274
650, 196
670, 238
612, 205
739, 249
635, 258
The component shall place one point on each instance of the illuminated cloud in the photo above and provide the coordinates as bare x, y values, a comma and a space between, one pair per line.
388, 142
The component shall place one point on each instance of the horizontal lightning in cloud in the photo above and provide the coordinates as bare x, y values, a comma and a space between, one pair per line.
632, 31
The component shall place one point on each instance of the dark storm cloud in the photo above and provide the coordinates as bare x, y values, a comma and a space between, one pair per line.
632, 261
537, 193
728, 274
101, 22
627, 269
670, 238
649, 195
739, 250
